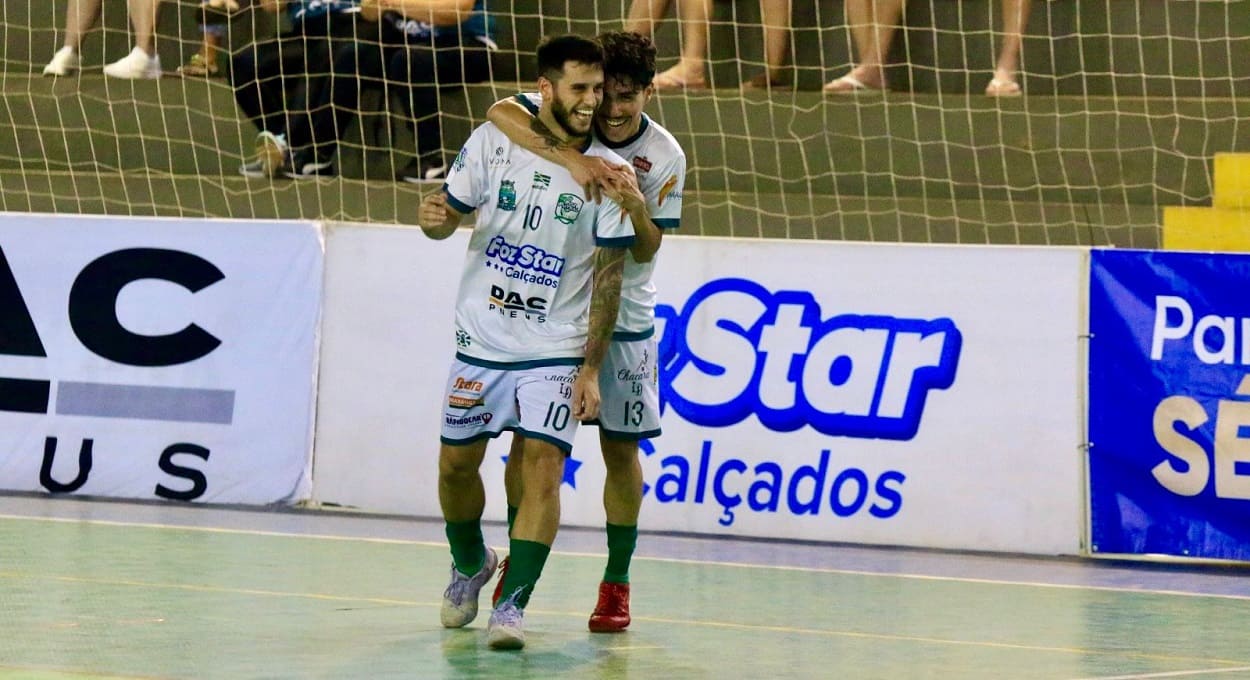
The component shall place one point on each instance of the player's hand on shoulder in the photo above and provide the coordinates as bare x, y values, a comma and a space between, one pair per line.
621, 185
591, 172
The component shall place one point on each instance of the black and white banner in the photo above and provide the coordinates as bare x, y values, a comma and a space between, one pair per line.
158, 358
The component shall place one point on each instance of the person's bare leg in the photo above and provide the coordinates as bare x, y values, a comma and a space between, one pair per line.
461, 494
622, 487
80, 17
143, 21
690, 70
538, 515
512, 472
210, 48
776, 18
872, 24
645, 15
1015, 18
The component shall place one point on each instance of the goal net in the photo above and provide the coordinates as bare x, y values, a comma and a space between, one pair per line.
1125, 103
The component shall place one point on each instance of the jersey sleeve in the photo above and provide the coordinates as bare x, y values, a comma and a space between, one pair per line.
664, 201
613, 228
532, 101
467, 181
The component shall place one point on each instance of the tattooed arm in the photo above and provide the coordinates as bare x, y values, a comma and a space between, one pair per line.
605, 302
527, 131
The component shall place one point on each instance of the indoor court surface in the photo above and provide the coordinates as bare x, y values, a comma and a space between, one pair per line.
105, 589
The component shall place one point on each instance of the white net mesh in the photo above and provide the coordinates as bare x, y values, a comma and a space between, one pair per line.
1125, 104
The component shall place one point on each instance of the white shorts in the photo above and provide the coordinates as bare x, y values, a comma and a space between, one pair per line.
629, 391
535, 402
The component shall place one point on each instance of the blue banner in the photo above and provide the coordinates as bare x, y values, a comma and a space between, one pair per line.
1169, 404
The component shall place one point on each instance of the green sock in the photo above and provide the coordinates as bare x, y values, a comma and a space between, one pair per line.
525, 566
621, 543
512, 511
468, 548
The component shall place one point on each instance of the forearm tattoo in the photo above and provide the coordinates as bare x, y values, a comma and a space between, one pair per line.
544, 133
605, 302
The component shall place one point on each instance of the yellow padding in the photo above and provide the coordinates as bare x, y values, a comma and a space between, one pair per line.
1206, 229
1232, 181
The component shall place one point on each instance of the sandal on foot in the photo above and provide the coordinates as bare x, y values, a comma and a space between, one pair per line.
849, 84
198, 67
670, 81
765, 81
1000, 87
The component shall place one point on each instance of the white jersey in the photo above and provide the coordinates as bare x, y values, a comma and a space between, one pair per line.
660, 165
524, 296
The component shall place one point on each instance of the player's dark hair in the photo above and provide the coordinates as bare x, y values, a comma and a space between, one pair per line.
554, 51
628, 57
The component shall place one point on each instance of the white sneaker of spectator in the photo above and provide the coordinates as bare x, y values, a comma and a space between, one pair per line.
63, 63
135, 66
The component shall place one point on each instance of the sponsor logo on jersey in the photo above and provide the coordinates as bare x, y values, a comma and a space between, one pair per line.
474, 420
669, 184
465, 394
568, 207
541, 181
507, 195
458, 401
511, 304
642, 164
526, 257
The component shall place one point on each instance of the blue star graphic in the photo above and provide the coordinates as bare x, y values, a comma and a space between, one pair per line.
570, 471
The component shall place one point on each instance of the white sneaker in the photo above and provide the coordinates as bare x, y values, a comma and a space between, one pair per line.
135, 66
460, 598
504, 630
63, 63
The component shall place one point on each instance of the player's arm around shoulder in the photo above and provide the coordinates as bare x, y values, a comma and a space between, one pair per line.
621, 186
518, 122
437, 217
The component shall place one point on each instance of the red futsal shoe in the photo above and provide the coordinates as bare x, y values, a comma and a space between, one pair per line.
612, 612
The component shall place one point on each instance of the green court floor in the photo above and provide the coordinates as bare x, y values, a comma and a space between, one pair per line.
125, 593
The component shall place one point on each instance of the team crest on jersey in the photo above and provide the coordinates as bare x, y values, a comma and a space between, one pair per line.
568, 207
507, 195
642, 164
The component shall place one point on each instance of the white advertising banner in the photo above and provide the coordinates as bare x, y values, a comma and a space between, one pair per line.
158, 358
879, 394
885, 394
387, 341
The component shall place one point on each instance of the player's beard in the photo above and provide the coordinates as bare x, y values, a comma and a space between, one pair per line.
561, 113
